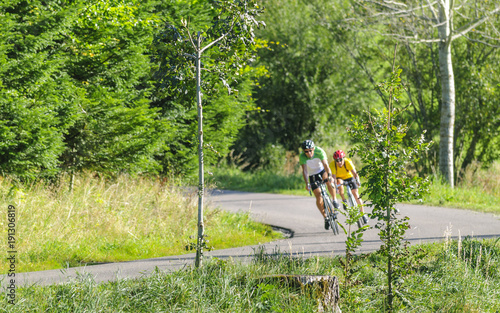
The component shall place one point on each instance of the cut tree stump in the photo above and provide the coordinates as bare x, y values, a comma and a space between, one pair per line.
324, 288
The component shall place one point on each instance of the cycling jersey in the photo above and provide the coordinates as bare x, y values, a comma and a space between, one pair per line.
343, 172
314, 164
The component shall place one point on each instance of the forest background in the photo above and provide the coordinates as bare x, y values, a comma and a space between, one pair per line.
78, 90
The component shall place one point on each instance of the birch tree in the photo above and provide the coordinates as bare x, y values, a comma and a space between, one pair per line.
433, 22
227, 44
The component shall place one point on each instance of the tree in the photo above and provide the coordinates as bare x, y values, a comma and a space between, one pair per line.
310, 88
76, 88
107, 55
37, 100
386, 162
440, 22
478, 115
229, 43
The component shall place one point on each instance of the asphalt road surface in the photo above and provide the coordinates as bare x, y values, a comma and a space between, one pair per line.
301, 220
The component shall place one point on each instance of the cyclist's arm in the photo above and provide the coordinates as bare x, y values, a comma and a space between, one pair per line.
355, 174
328, 170
356, 177
305, 175
350, 167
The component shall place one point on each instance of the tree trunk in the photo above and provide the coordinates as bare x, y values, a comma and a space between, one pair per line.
71, 180
201, 184
469, 156
448, 94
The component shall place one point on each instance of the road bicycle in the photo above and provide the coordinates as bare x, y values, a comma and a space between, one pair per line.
331, 215
351, 200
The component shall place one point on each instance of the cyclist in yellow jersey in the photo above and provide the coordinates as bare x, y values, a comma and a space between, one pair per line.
344, 169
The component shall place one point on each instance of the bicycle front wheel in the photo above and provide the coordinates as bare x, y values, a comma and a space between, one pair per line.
330, 213
351, 200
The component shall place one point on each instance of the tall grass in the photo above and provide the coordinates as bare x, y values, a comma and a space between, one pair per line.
102, 221
446, 279
477, 189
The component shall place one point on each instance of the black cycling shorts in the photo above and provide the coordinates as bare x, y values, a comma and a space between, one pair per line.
316, 179
352, 183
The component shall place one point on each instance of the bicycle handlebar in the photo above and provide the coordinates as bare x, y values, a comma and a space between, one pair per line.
344, 182
322, 182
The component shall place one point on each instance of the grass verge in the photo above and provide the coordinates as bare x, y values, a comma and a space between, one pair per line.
478, 189
258, 181
454, 276
101, 221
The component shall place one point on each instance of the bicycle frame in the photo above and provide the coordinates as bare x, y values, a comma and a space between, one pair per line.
328, 207
351, 200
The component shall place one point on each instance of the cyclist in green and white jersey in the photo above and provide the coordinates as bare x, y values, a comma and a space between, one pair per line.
315, 169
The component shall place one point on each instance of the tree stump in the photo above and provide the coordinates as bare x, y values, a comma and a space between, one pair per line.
324, 288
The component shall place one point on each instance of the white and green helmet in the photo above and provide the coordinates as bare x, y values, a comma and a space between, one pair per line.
307, 144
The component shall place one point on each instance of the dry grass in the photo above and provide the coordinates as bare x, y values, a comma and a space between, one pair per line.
486, 180
99, 221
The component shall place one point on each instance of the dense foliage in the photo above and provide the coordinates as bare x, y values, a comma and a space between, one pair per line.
312, 87
77, 90
327, 62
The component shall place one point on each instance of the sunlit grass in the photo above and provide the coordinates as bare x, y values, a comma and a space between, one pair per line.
258, 181
478, 189
101, 221
464, 197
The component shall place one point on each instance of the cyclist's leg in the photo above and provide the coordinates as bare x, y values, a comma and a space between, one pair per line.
341, 189
320, 204
355, 193
314, 181
319, 201
331, 189
349, 185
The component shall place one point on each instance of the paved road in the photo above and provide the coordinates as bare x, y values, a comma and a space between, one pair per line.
300, 216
